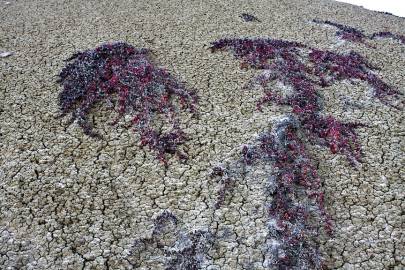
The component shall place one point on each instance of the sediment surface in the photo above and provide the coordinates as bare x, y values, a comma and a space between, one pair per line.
68, 201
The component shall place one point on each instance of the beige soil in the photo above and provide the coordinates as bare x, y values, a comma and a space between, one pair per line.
70, 202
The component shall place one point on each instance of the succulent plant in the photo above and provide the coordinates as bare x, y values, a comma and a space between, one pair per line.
352, 34
296, 212
306, 70
398, 37
345, 32
126, 79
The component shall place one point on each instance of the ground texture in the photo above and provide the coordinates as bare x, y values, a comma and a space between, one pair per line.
69, 201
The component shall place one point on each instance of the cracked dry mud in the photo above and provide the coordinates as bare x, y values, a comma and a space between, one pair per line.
68, 201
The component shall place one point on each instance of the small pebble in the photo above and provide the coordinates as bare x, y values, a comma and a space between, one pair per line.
5, 54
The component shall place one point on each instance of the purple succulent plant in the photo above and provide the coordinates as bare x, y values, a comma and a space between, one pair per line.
345, 32
284, 61
124, 76
296, 212
400, 38
354, 35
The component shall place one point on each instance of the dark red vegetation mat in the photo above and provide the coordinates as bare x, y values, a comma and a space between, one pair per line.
352, 34
297, 216
126, 79
296, 211
307, 70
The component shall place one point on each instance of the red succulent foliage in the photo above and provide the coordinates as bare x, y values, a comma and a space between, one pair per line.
400, 38
284, 61
354, 35
296, 213
125, 76
331, 67
345, 32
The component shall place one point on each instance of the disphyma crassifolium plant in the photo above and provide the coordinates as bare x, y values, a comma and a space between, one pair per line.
307, 70
352, 34
296, 213
131, 84
386, 34
345, 32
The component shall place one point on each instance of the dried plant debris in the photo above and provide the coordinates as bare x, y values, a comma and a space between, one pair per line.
227, 180
4, 54
125, 77
171, 246
352, 34
249, 18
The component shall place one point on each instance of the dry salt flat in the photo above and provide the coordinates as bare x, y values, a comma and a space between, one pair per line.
70, 201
